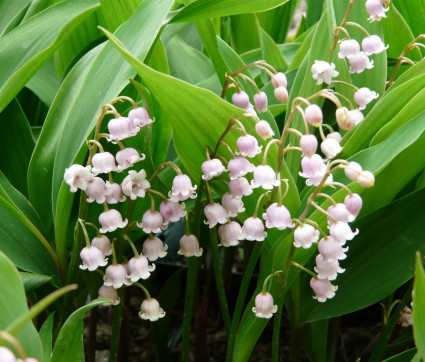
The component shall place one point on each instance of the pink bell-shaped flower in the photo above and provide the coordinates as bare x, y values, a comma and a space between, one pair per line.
340, 213
248, 146
314, 169
313, 115
264, 130
323, 72
121, 128
114, 193
139, 117
103, 244
353, 171
279, 80
233, 205
212, 168
150, 310
373, 45
172, 211
305, 236
111, 220
261, 102
253, 229
376, 10
366, 179
341, 232
364, 96
109, 293
78, 177
127, 158
92, 258
264, 307
240, 187
327, 269
103, 162
240, 99
230, 234
360, 62
239, 166
353, 204
153, 248
97, 191
330, 148
135, 184
6, 355
323, 289
139, 268
251, 110
348, 48
189, 246
278, 217
281, 94
215, 214
182, 189
308, 144
116, 276
152, 222
265, 177
331, 250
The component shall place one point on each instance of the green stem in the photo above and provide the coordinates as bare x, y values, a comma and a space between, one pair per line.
116, 329
215, 258
241, 299
135, 252
147, 294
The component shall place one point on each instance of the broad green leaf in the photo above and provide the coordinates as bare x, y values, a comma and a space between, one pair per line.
97, 78
397, 40
16, 20
396, 231
37, 6
9, 9
412, 72
406, 356
16, 145
413, 12
419, 305
13, 305
38, 38
117, 12
244, 33
32, 281
46, 335
314, 11
318, 340
69, 344
271, 52
203, 9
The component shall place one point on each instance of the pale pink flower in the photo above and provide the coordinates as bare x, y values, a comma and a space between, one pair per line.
305, 236
330, 148
6, 355
265, 177
109, 293
240, 99
103, 162
313, 115
323, 289
314, 169
248, 146
153, 248
172, 211
139, 268
150, 310
139, 117
212, 168
356, 116
323, 72
127, 158
92, 258
360, 62
216, 214
152, 222
114, 193
103, 244
116, 276
261, 102
281, 94
264, 307
97, 190
364, 96
135, 184
78, 177
182, 189
366, 179
348, 47
230, 234
121, 128
278, 217
308, 144
327, 269
353, 204
340, 213
239, 166
353, 171
279, 80
344, 119
240, 187
253, 229
264, 130
373, 45
376, 10
406, 317
341, 232
189, 246
111, 220
331, 250
233, 205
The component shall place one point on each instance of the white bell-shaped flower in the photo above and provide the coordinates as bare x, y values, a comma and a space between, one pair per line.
127, 157
215, 214
172, 211
323, 72
233, 205
111, 220
264, 307
78, 177
248, 146
139, 268
305, 236
323, 289
152, 222
278, 217
189, 246
109, 293
265, 177
92, 258
153, 248
116, 276
240, 187
150, 310
239, 167
212, 168
103, 244
182, 189
253, 229
230, 234
327, 268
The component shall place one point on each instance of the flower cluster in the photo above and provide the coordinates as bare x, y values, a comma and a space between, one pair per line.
134, 186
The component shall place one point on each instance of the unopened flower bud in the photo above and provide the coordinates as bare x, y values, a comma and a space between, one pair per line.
308, 144
6, 355
343, 118
189, 246
264, 307
261, 102
240, 99
264, 130
366, 179
313, 115
279, 80
353, 171
406, 317
281, 94
353, 204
